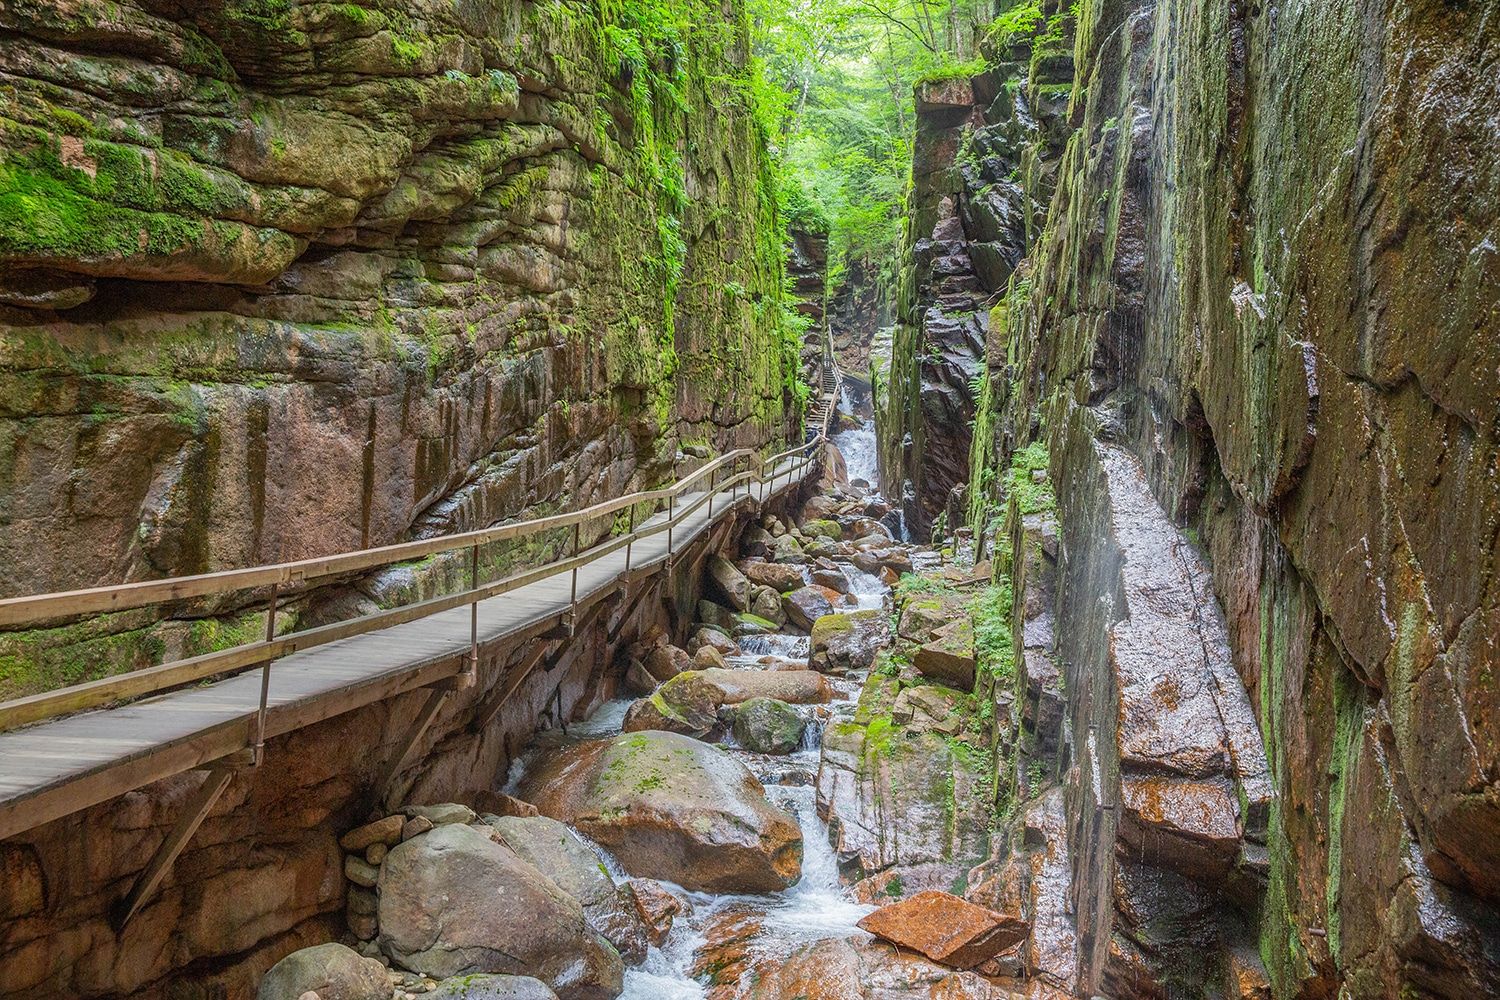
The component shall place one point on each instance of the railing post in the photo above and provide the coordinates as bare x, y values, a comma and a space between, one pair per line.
474, 612
573, 599
671, 513
259, 749
713, 477
631, 541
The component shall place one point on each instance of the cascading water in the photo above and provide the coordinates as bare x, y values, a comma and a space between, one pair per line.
818, 906
857, 445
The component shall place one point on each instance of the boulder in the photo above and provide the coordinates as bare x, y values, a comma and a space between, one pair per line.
765, 725
841, 643
755, 541
638, 680
557, 852
922, 616
717, 616
822, 528
831, 579
766, 603
491, 988
669, 807
442, 813
949, 657
752, 624
806, 605
786, 549
946, 928
666, 662
778, 576
332, 971
383, 831
709, 635
708, 657
689, 703
895, 558
728, 582
656, 907
453, 901
819, 506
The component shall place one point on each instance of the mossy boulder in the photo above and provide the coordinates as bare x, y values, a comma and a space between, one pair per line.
823, 527
669, 807
766, 725
845, 642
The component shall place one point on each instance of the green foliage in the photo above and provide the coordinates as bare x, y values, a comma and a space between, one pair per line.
1020, 20
843, 73
994, 648
1032, 497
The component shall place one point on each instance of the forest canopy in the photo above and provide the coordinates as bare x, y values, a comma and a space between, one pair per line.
840, 76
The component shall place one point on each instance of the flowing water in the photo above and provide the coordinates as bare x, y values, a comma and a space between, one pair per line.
818, 906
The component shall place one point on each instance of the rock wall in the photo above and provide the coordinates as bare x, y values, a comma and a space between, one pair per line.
984, 162
1267, 297
286, 278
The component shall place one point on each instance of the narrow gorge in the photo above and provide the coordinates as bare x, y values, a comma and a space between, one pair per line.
829, 500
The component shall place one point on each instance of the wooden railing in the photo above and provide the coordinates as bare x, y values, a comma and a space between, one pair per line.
740, 468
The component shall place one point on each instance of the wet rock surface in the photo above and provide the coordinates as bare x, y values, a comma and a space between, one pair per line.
946, 928
453, 901
331, 971
670, 807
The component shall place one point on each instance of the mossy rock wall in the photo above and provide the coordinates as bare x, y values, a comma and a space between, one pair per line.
281, 279
1269, 273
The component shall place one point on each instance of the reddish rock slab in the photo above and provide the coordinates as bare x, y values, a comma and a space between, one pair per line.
946, 928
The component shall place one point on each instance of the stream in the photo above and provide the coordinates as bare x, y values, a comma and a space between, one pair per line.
818, 906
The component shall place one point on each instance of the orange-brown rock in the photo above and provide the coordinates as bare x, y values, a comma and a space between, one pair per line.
946, 928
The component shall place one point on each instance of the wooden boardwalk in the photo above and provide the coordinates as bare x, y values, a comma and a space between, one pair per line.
57, 767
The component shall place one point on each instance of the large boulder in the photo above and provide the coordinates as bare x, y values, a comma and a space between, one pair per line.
728, 582
332, 971
491, 988
778, 576
765, 725
453, 901
560, 854
841, 643
946, 928
669, 807
806, 605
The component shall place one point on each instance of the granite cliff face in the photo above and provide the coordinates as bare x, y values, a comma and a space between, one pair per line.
984, 163
1260, 339
279, 279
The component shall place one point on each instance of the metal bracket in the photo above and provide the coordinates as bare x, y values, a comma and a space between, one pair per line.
193, 814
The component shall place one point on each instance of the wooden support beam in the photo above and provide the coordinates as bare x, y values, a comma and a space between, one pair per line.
193, 814
487, 712
414, 733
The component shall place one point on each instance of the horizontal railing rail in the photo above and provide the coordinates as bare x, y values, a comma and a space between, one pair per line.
33, 610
